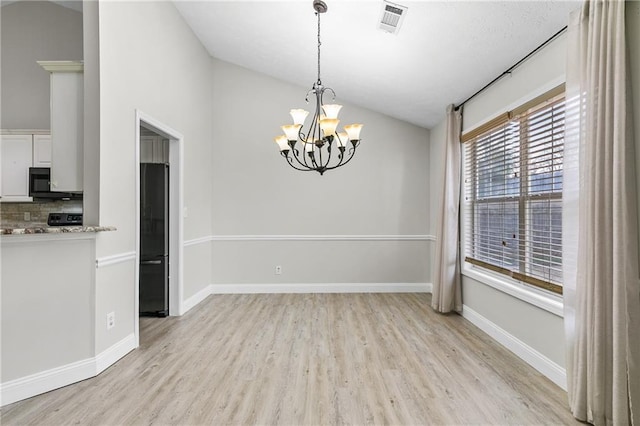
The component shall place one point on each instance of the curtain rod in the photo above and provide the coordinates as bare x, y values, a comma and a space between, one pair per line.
508, 71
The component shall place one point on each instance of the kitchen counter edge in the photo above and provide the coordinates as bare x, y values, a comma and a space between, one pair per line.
34, 230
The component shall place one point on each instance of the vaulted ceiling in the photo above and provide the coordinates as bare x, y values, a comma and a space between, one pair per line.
444, 51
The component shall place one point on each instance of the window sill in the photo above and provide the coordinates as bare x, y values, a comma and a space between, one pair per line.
542, 299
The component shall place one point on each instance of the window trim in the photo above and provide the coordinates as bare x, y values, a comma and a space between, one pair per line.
545, 285
544, 299
505, 117
548, 301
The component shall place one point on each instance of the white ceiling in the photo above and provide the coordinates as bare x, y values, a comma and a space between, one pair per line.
444, 52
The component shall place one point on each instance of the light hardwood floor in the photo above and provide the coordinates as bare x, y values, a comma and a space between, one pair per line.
307, 359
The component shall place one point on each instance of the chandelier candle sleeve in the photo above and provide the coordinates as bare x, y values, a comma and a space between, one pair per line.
321, 147
331, 111
282, 142
299, 115
342, 139
291, 130
353, 130
328, 126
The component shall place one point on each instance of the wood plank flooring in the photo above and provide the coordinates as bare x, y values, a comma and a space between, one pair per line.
307, 359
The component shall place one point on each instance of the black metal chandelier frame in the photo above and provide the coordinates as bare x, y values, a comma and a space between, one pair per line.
309, 152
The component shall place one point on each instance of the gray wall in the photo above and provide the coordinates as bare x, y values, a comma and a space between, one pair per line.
383, 191
34, 31
91, 183
536, 327
48, 305
46, 322
633, 37
151, 61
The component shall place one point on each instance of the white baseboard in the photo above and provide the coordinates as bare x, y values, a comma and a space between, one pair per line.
303, 288
321, 288
191, 302
111, 355
36, 384
544, 365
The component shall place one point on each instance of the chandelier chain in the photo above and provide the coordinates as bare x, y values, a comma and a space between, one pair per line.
319, 44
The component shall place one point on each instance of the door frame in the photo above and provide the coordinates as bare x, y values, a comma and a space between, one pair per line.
176, 221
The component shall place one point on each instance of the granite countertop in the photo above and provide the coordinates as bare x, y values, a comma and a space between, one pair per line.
43, 228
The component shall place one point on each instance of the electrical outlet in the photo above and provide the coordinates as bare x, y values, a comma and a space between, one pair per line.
27, 216
111, 320
278, 270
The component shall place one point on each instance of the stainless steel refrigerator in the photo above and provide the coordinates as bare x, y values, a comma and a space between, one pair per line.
154, 239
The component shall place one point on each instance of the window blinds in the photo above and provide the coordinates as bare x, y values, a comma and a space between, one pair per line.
513, 193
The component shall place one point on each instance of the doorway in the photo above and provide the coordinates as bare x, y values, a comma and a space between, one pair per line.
155, 173
157, 145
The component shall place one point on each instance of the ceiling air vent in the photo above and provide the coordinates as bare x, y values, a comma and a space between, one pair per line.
392, 17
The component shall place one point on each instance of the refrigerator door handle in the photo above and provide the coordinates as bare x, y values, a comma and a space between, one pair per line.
151, 262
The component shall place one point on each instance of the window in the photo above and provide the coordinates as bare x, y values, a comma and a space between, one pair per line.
513, 193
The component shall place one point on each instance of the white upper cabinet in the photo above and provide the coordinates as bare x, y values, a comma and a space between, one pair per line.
41, 150
17, 153
21, 150
67, 124
154, 149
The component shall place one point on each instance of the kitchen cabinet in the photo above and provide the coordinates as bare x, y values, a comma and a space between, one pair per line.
41, 150
67, 124
154, 149
17, 157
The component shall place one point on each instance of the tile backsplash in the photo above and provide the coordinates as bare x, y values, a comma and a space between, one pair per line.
14, 213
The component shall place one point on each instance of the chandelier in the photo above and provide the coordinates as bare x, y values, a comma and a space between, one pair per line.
315, 148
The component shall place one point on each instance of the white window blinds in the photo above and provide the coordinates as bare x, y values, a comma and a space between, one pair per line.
513, 194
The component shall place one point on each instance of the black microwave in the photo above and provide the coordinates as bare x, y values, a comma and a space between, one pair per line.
40, 185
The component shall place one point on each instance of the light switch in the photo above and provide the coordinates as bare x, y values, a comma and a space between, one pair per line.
185, 213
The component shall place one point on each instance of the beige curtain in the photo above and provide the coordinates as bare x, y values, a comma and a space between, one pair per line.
447, 295
600, 249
